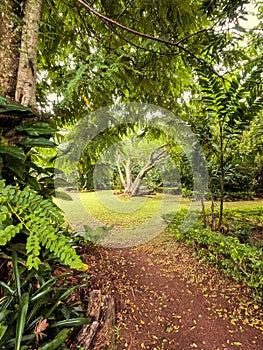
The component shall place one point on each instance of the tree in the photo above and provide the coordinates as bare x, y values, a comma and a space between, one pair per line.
231, 105
20, 25
92, 56
131, 183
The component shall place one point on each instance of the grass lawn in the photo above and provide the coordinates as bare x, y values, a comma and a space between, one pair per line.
118, 211
121, 212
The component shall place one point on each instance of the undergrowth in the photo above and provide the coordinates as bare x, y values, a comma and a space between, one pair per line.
234, 256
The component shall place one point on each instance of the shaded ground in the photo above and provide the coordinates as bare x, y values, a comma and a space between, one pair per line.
167, 300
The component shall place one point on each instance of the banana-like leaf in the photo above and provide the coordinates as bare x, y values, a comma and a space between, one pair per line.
17, 167
37, 142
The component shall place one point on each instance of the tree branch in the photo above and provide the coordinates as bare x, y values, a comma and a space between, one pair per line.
133, 31
146, 36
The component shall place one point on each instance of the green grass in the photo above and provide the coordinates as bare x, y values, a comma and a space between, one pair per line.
122, 212
258, 203
118, 211
132, 221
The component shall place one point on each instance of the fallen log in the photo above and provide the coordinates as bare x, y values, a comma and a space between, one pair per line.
99, 335
105, 337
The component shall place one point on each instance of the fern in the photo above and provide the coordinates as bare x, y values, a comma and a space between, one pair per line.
25, 211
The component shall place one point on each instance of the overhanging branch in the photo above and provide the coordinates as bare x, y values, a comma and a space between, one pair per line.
176, 44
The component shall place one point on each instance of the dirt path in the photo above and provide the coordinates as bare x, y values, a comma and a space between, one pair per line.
167, 300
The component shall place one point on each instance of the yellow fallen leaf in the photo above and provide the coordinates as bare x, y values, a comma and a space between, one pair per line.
83, 267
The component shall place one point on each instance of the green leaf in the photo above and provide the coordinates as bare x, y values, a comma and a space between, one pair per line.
63, 195
62, 297
21, 319
18, 168
3, 315
32, 181
72, 322
57, 341
36, 129
3, 329
16, 274
13, 151
2, 100
5, 286
37, 142
26, 338
12, 108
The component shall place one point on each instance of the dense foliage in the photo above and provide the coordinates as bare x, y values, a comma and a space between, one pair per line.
34, 308
194, 58
237, 251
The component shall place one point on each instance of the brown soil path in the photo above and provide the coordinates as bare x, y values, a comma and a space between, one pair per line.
167, 300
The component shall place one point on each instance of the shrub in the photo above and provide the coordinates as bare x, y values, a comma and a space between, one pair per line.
242, 261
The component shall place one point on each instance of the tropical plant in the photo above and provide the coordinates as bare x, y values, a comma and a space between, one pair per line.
231, 105
34, 308
90, 235
22, 133
26, 217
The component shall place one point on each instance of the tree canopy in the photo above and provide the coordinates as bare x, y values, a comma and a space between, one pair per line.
198, 59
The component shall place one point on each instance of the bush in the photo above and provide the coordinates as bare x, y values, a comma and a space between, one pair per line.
241, 195
170, 190
242, 261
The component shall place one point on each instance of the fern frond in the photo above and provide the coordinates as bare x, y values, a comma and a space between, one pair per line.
25, 211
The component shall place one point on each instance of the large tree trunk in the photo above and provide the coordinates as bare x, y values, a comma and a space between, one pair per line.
26, 77
10, 38
127, 180
132, 187
154, 159
19, 25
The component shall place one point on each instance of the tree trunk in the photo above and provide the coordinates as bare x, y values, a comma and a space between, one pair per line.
127, 180
132, 187
10, 38
154, 159
136, 184
222, 179
26, 76
128, 173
